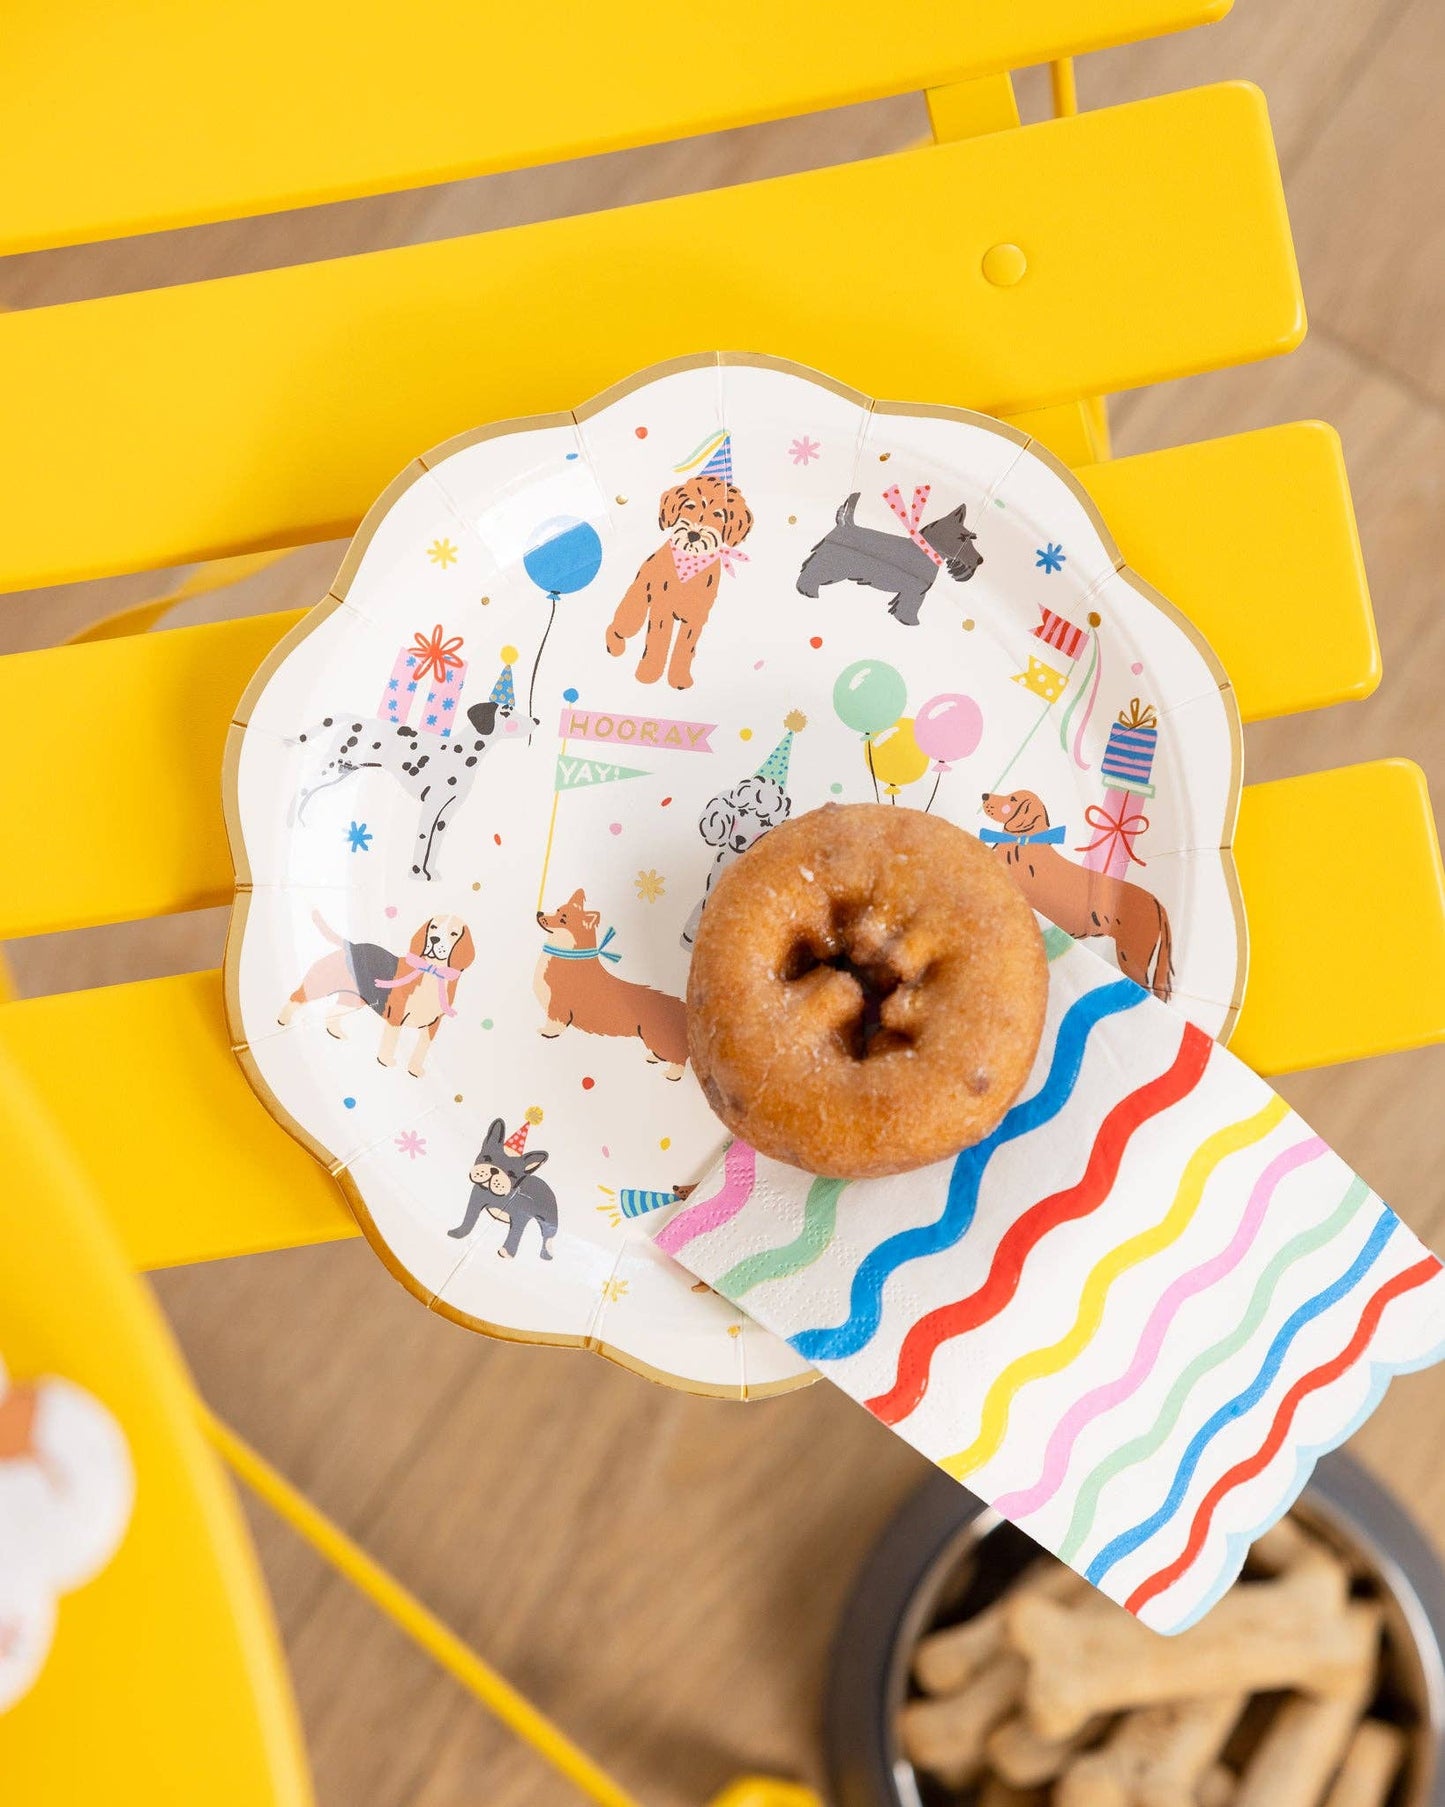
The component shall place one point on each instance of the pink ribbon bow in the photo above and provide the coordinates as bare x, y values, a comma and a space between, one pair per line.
418, 965
912, 516
1115, 831
690, 563
436, 656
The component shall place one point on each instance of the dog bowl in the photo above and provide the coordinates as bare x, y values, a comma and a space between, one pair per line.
946, 1555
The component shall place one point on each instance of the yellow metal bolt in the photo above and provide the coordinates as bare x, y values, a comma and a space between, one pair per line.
1003, 265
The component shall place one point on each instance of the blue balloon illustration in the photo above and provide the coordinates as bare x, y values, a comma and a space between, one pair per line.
565, 555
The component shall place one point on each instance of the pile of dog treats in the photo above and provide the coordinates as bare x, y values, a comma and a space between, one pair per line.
1053, 1696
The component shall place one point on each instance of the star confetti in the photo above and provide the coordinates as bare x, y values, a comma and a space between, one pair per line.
411, 1144
612, 1290
650, 885
804, 450
359, 837
1050, 557
442, 552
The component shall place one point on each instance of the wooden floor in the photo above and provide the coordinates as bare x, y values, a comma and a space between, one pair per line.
664, 1573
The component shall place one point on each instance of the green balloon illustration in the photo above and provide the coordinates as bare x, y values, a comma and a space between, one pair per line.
869, 696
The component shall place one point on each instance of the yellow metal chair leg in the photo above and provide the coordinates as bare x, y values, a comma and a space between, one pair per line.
460, 1661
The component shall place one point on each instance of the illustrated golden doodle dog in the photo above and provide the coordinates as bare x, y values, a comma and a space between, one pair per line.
1082, 902
705, 519
411, 990
577, 991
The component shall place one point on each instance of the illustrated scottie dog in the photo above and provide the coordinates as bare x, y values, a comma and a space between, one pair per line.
505, 1185
903, 565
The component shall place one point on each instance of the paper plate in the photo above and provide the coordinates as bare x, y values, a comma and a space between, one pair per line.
569, 669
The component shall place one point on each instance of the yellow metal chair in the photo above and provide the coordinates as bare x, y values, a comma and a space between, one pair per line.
1085, 255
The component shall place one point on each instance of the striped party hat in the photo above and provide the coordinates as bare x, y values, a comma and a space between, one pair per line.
517, 1141
713, 458
775, 766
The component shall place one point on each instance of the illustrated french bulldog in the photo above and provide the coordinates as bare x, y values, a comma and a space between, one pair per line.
505, 1185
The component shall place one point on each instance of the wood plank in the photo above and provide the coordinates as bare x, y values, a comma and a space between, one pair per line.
269, 409
348, 97
142, 1081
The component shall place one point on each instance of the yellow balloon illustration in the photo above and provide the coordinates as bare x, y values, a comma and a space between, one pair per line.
897, 758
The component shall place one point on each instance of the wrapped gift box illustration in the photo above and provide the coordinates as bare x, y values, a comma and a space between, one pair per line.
433, 669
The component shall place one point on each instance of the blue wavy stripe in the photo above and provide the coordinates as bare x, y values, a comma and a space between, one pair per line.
1237, 1545
1114, 1551
865, 1304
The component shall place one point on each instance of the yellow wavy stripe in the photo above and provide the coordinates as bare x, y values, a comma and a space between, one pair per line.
1039, 1362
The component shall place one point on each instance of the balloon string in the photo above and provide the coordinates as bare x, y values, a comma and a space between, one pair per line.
532, 687
937, 780
868, 754
1019, 751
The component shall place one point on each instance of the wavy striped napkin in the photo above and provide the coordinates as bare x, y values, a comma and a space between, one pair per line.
1131, 1319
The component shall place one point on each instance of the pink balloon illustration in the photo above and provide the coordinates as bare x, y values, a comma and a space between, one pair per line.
947, 728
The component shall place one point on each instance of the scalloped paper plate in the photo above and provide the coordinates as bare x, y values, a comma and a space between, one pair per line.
569, 667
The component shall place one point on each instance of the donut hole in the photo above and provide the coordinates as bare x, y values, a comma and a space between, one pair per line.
866, 1034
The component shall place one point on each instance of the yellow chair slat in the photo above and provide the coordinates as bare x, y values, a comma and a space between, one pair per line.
1347, 953
1328, 983
267, 409
164, 1681
1281, 596
348, 97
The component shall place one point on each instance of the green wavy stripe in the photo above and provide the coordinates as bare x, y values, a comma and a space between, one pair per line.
820, 1216
1142, 1447
1079, 694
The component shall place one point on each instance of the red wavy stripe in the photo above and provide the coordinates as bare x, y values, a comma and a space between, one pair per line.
1327, 1372
937, 1327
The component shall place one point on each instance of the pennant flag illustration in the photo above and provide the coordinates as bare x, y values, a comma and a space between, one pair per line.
1060, 633
576, 774
1042, 680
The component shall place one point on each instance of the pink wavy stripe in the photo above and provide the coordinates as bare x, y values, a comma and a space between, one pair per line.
739, 1173
1079, 759
1018, 1506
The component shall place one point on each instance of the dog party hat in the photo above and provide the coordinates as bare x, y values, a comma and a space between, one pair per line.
517, 1141
504, 693
775, 766
713, 458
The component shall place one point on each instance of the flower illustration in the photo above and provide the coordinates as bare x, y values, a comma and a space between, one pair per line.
650, 885
411, 1144
1050, 557
442, 552
359, 836
804, 450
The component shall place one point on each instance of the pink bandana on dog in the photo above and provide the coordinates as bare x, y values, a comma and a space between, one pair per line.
418, 965
912, 516
690, 563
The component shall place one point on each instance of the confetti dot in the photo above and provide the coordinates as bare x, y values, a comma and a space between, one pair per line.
745, 733
606, 1151
476, 884
968, 624
570, 457
614, 828
1094, 618
836, 788
588, 1083
883, 457
735, 1330
665, 1144
664, 803
456, 1097
350, 1103
569, 695
1137, 667
621, 501
391, 909
498, 839
792, 520
641, 432
486, 1022
484, 600
816, 641
510, 655
758, 664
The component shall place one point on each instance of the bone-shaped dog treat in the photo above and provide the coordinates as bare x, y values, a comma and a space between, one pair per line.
946, 1736
1020, 1756
1217, 1786
945, 1660
1153, 1758
1309, 1737
1289, 1633
1370, 1766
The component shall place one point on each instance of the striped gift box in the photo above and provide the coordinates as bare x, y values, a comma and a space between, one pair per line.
1129, 756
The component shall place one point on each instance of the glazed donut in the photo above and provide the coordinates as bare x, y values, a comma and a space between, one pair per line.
867, 991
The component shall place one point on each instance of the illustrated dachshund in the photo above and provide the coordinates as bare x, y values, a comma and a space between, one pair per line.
413, 990
1081, 901
576, 989
891, 562
505, 1186
704, 520
732, 822
437, 772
